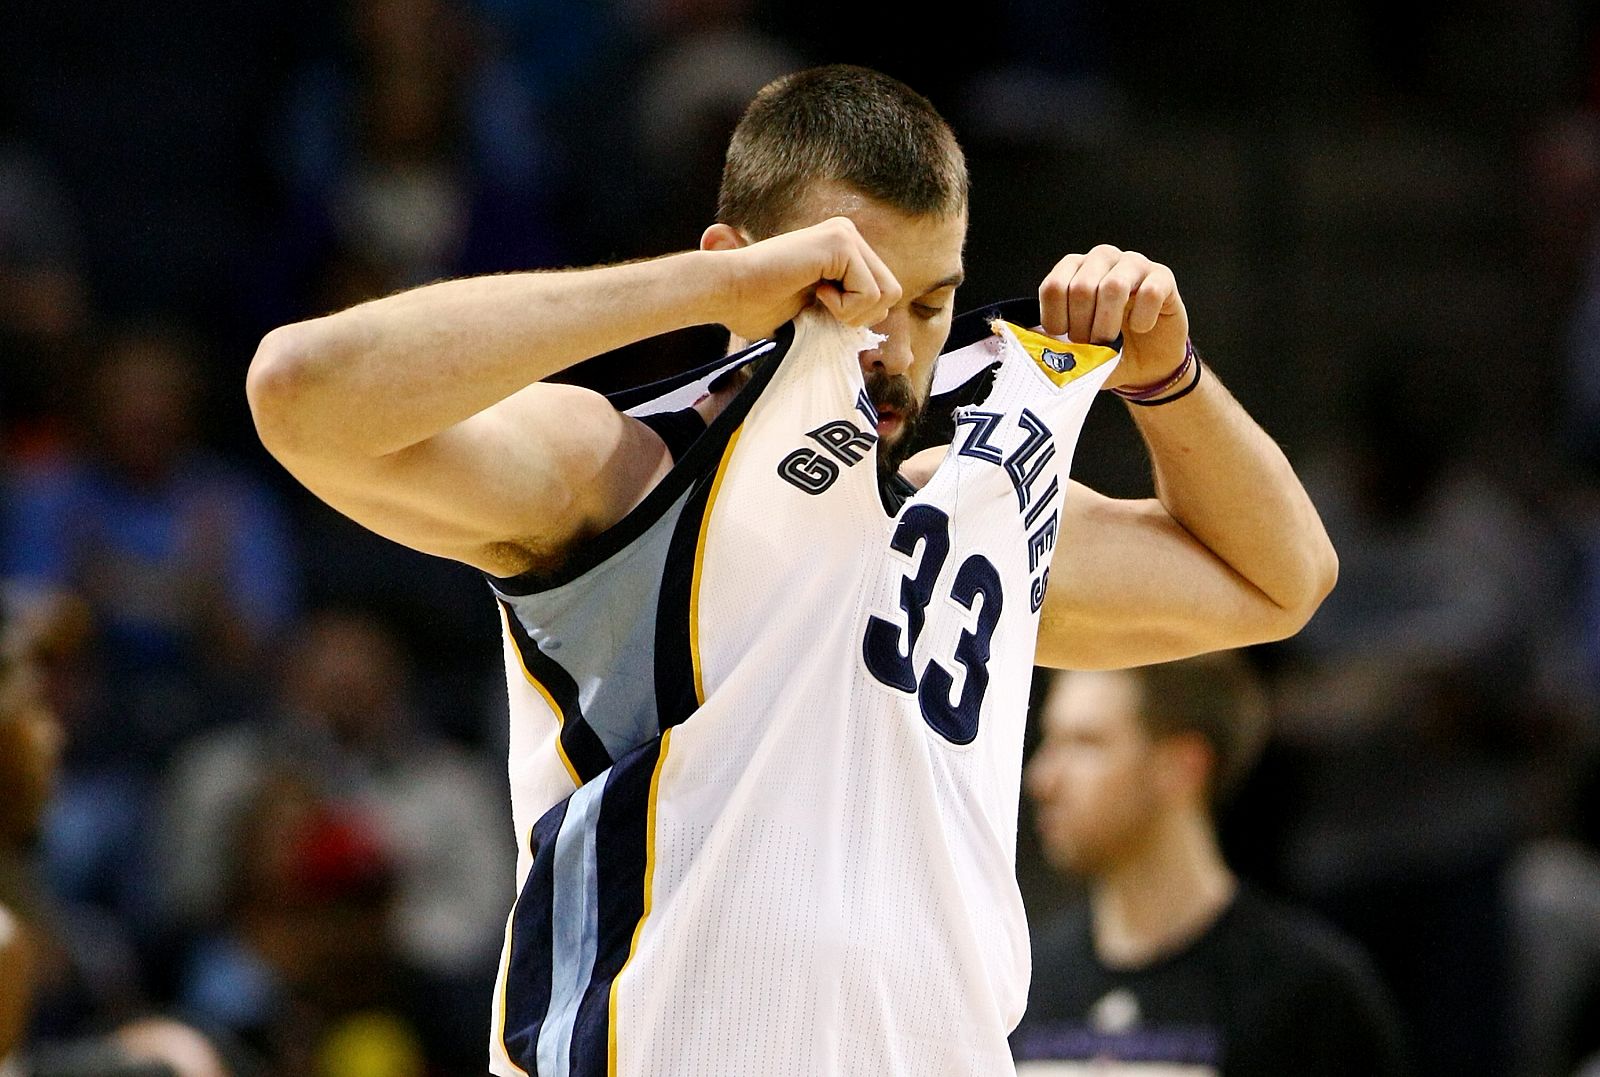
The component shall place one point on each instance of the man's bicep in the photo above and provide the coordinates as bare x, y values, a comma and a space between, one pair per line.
1129, 586
518, 480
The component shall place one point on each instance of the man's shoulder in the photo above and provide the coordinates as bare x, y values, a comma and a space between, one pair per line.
1310, 992
1306, 951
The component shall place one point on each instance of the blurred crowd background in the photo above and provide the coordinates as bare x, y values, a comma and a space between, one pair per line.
282, 811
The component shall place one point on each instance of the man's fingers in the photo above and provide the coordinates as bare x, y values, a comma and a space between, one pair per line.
1111, 298
1091, 298
1150, 298
828, 294
1053, 295
854, 292
866, 289
1083, 293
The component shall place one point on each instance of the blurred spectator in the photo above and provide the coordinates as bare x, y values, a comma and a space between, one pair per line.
38, 628
1172, 962
150, 1047
302, 937
1408, 507
1554, 894
183, 558
43, 305
29, 746
301, 965
346, 737
59, 986
184, 563
33, 624
411, 155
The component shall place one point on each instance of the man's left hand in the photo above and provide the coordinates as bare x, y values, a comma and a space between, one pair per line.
1090, 298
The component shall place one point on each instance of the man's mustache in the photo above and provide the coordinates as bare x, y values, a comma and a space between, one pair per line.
893, 391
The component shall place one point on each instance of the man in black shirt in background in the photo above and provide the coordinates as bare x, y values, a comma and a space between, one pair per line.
1172, 967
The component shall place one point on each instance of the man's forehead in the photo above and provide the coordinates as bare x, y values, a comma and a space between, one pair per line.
1090, 697
933, 241
820, 199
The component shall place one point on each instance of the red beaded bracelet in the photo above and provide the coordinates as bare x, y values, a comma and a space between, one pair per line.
1151, 395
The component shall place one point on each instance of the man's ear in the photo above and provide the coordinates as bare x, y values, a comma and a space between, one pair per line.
722, 237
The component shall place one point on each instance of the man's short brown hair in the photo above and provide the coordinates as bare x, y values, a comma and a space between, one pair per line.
847, 124
1217, 697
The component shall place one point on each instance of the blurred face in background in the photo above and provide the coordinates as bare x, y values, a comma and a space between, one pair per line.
1096, 777
143, 400
30, 748
348, 674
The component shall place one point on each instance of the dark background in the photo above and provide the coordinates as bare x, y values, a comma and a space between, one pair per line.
1382, 216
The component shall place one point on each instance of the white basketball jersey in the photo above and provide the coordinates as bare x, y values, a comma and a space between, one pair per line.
767, 738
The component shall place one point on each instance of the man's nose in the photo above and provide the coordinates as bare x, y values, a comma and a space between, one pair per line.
894, 354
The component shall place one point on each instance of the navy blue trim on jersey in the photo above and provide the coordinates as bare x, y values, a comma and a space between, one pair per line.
969, 328
894, 491
676, 698
621, 846
678, 429
699, 459
527, 990
582, 745
589, 860
674, 672
628, 399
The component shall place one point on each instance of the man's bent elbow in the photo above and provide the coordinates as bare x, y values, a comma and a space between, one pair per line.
1320, 575
276, 387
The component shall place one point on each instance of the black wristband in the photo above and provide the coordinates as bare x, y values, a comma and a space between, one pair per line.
1180, 394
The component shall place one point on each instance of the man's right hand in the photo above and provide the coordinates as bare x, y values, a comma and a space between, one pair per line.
770, 281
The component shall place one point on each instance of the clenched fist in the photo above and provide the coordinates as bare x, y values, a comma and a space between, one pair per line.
1090, 298
767, 283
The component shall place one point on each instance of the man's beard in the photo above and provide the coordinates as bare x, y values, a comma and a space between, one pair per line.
894, 391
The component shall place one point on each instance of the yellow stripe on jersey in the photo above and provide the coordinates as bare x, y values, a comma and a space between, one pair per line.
555, 708
699, 561
505, 987
649, 892
1061, 360
666, 742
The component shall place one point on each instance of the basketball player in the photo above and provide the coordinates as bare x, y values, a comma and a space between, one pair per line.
766, 730
1172, 962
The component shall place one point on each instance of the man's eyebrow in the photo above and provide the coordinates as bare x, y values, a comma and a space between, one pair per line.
952, 281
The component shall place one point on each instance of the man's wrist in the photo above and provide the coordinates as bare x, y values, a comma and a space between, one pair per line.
1174, 386
701, 284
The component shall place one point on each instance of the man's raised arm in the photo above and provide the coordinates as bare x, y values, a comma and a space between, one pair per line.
1230, 552
419, 416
